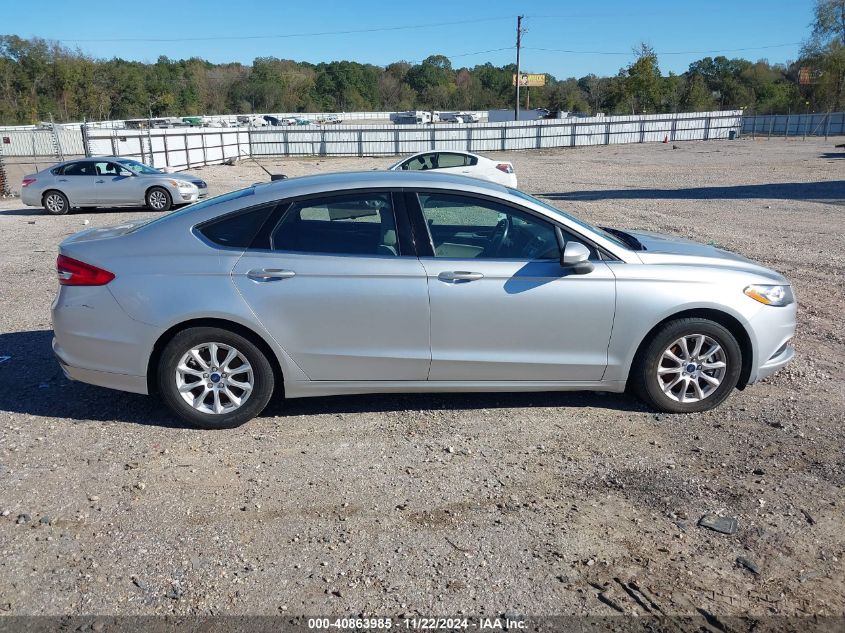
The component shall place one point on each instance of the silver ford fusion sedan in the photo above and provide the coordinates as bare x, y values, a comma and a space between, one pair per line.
108, 181
395, 282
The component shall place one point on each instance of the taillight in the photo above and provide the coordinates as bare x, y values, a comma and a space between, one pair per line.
73, 272
27, 182
505, 167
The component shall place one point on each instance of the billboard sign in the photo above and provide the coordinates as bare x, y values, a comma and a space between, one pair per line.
530, 80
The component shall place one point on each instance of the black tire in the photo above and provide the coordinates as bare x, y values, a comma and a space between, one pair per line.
55, 202
253, 405
644, 377
158, 199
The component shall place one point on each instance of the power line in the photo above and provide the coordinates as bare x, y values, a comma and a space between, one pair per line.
710, 52
284, 35
491, 50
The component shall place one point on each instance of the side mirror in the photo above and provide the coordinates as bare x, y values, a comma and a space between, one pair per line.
576, 257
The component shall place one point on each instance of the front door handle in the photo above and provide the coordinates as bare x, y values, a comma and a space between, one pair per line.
270, 274
62, 179
100, 182
459, 275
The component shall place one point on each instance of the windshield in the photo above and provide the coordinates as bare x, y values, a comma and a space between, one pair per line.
571, 218
138, 168
232, 195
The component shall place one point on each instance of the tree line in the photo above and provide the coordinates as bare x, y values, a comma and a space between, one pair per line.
40, 78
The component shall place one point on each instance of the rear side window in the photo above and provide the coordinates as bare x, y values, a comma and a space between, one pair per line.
452, 160
79, 169
352, 224
237, 230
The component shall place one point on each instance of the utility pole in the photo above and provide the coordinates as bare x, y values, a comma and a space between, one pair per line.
518, 45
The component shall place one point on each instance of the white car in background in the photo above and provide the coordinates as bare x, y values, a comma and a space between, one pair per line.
461, 163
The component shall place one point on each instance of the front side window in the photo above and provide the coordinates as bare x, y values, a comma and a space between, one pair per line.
110, 169
352, 224
139, 168
468, 227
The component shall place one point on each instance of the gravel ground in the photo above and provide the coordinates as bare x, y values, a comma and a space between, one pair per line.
478, 504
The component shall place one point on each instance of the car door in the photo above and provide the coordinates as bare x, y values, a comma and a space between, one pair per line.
114, 184
336, 282
502, 307
77, 182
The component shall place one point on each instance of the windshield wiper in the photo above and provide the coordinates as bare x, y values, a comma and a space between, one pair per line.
629, 239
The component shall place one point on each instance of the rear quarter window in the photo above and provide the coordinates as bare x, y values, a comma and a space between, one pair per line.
239, 229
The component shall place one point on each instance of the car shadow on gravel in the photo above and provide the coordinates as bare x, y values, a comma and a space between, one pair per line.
40, 388
833, 190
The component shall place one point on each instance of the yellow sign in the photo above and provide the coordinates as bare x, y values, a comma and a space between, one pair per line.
530, 80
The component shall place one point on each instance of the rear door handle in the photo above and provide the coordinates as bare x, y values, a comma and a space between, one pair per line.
62, 179
270, 274
459, 275
99, 182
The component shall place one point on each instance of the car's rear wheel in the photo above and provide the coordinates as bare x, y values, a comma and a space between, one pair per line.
159, 199
55, 203
689, 365
213, 378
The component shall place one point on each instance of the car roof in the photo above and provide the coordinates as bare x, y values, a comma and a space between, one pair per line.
444, 151
377, 178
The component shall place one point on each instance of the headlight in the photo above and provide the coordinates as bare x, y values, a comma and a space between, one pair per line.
771, 295
181, 184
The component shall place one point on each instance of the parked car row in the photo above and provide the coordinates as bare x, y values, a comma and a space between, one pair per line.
109, 181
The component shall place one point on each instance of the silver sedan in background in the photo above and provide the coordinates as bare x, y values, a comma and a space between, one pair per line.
108, 181
401, 281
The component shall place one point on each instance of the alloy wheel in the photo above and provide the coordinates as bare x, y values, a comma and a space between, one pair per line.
54, 202
214, 378
158, 200
691, 368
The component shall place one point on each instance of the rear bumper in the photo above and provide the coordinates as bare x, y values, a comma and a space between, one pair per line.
110, 380
96, 342
30, 197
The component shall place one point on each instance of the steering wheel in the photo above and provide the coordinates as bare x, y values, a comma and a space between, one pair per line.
498, 237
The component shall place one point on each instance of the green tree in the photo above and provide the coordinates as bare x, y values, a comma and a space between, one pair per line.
643, 81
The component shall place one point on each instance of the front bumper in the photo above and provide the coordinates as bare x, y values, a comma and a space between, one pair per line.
186, 196
774, 329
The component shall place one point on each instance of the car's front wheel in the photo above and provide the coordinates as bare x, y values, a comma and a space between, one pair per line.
159, 199
213, 378
55, 203
689, 365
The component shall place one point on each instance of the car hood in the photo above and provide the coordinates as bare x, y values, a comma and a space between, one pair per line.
668, 249
196, 180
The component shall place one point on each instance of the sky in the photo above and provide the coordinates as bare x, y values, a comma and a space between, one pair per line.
565, 39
